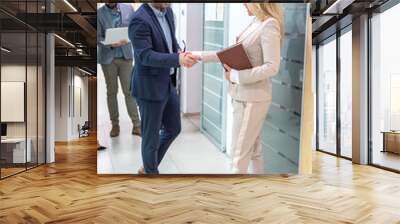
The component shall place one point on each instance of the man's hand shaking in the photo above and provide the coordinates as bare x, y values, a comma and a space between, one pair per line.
188, 59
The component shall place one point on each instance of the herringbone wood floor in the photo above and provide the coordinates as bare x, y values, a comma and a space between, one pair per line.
70, 191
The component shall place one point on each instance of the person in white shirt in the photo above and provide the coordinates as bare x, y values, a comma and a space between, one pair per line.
250, 89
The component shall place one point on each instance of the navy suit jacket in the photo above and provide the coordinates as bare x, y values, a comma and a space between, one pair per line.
153, 61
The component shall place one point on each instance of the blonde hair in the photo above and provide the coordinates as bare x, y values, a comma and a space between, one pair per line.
263, 11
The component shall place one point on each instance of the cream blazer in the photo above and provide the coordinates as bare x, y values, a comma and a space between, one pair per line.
262, 42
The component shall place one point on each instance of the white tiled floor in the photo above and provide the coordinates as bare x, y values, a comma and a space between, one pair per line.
190, 153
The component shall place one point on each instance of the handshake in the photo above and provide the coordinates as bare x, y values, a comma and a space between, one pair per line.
187, 59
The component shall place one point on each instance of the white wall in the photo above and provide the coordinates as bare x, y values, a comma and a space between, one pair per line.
33, 125
17, 73
71, 87
189, 22
61, 103
79, 117
14, 73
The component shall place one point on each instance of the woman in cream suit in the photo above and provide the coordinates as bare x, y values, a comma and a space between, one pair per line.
251, 89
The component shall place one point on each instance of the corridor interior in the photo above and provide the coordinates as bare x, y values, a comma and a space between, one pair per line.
191, 153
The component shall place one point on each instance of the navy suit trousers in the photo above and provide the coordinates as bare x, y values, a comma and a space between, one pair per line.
161, 124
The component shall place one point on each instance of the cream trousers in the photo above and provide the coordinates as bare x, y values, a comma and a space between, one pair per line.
248, 120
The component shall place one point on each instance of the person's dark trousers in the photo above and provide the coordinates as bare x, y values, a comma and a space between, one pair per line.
161, 124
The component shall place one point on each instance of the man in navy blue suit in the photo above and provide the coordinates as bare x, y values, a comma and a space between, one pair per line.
157, 55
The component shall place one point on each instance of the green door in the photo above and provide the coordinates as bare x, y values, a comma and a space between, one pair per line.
281, 132
213, 114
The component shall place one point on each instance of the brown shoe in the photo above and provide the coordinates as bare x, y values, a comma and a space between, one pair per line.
141, 171
136, 131
114, 131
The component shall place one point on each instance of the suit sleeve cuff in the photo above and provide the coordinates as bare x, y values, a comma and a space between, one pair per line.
177, 60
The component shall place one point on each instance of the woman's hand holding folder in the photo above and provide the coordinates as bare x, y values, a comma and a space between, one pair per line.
235, 56
227, 73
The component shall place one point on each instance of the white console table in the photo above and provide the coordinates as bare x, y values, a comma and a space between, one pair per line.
18, 150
